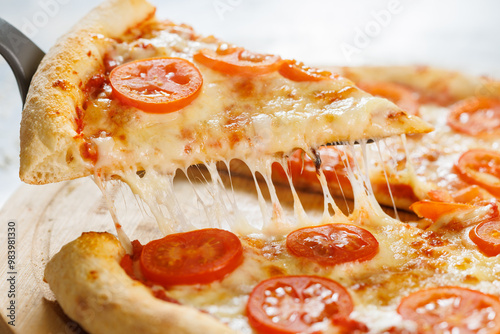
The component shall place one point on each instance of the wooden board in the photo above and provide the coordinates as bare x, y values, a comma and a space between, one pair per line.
47, 217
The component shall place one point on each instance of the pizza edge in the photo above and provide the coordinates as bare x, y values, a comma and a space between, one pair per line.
49, 140
94, 290
426, 79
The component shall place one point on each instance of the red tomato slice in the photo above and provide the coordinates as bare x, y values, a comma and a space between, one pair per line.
297, 71
481, 167
471, 194
440, 195
332, 244
156, 85
452, 310
475, 115
435, 210
403, 97
292, 304
302, 167
127, 262
486, 236
237, 61
196, 257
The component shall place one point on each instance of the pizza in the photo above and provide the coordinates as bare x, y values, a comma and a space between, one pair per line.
125, 96
405, 171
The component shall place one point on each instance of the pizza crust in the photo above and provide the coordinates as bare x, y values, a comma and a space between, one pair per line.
49, 142
95, 291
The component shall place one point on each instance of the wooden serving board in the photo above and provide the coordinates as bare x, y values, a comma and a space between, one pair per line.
49, 216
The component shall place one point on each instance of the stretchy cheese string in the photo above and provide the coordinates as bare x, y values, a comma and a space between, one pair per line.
341, 188
298, 209
122, 236
157, 191
381, 160
217, 203
364, 199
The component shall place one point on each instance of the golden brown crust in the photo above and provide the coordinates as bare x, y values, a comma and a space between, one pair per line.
49, 143
95, 291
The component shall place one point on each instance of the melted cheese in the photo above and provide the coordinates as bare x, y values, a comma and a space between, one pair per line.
234, 117
227, 123
426, 162
409, 258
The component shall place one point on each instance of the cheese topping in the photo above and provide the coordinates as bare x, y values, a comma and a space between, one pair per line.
260, 121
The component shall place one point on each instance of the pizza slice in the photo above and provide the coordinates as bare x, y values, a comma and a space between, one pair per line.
464, 111
126, 96
126, 93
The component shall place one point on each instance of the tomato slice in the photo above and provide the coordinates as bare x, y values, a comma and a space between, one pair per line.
297, 71
295, 304
400, 95
333, 244
156, 85
435, 210
200, 256
440, 195
471, 194
475, 115
302, 167
237, 61
452, 310
481, 167
486, 236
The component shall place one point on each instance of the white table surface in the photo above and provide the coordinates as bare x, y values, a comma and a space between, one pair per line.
461, 35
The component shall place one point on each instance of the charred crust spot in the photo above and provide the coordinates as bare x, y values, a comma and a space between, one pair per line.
417, 244
470, 279
275, 271
93, 275
61, 84
69, 157
89, 53
396, 114
330, 96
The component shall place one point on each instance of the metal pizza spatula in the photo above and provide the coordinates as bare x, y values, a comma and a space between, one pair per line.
22, 55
